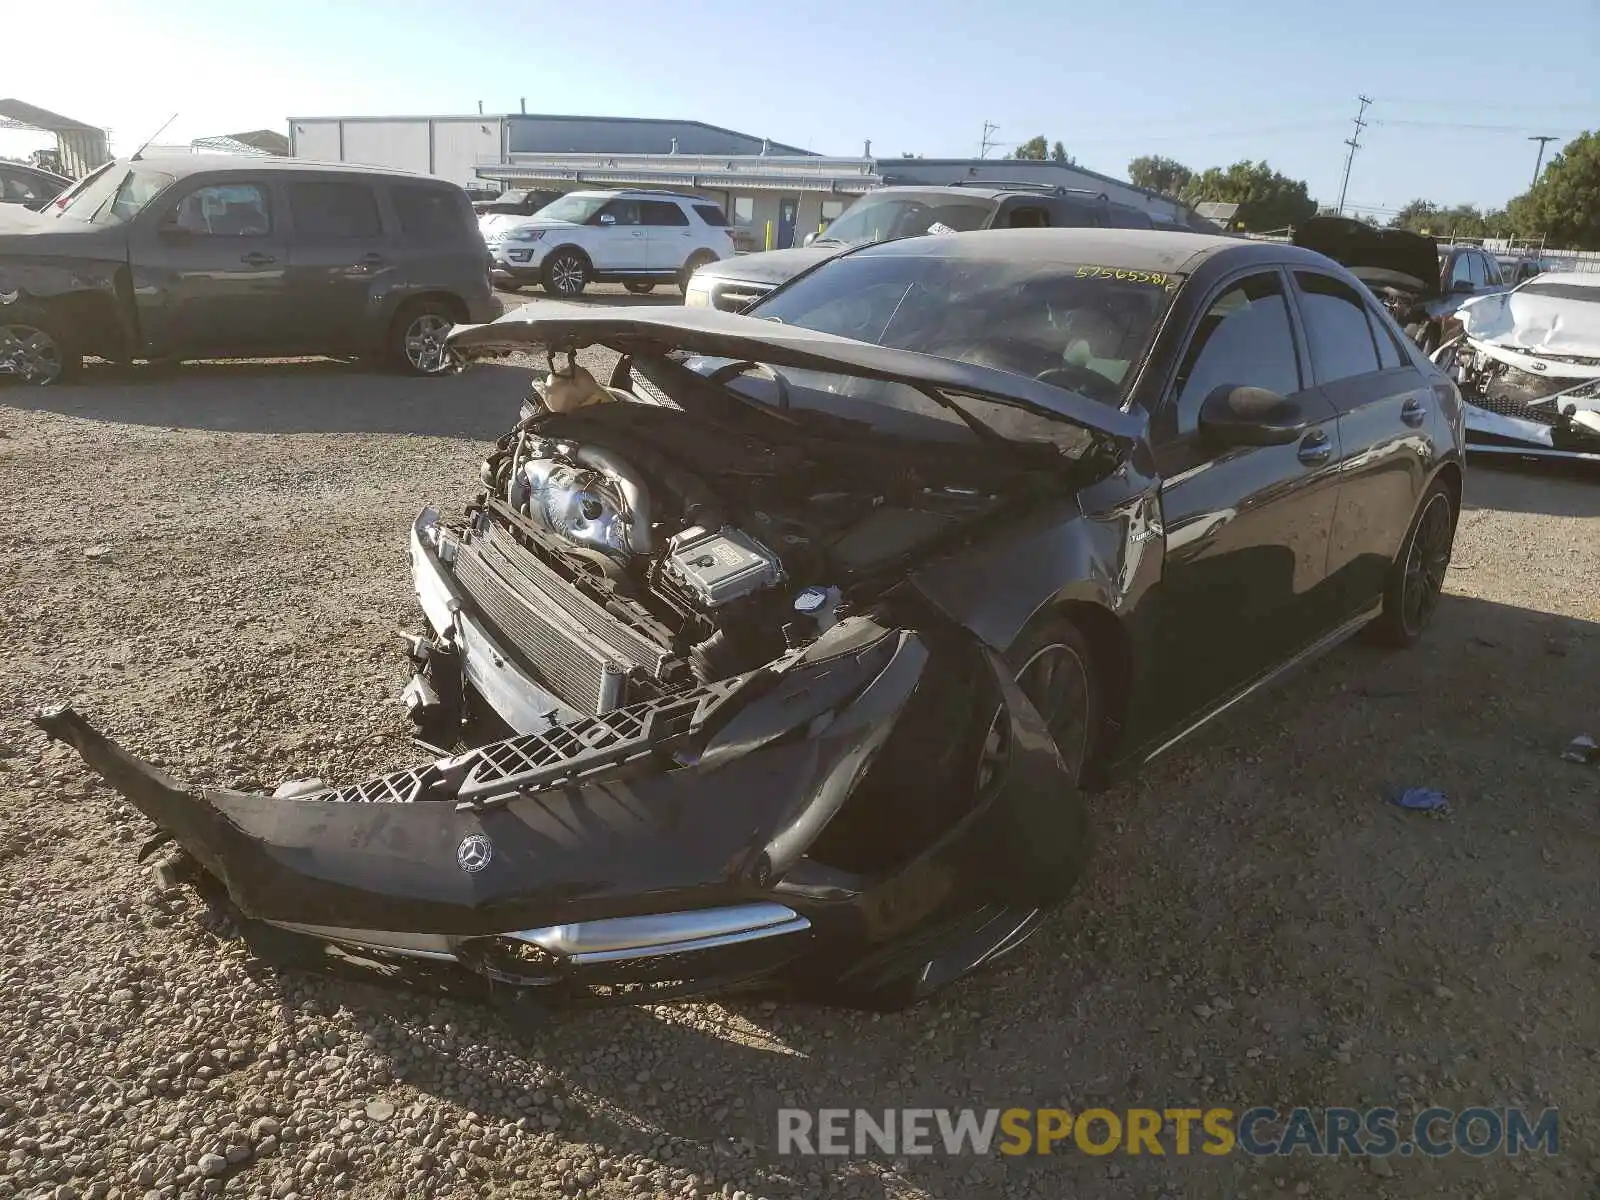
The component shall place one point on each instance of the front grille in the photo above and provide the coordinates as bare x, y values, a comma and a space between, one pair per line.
578, 649
736, 295
1507, 406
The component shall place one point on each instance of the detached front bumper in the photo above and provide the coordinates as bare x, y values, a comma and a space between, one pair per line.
672, 847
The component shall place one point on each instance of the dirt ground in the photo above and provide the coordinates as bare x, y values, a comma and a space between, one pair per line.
211, 562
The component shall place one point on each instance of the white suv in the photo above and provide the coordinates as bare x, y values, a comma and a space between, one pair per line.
634, 236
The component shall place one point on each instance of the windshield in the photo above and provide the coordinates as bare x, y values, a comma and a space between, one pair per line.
116, 196
574, 208
1080, 327
885, 218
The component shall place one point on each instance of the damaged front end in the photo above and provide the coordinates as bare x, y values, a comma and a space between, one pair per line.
1528, 366
819, 826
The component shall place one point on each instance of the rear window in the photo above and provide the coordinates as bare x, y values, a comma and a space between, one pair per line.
334, 210
432, 213
711, 214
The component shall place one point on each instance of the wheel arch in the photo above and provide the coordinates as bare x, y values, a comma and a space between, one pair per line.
1111, 654
1451, 475
456, 305
564, 248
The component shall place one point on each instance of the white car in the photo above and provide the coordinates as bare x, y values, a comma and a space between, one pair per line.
635, 236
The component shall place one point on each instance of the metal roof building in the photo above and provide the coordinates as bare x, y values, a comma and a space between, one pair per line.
80, 148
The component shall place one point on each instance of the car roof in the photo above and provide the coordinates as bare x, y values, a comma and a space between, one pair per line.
181, 165
658, 193
986, 191
1122, 249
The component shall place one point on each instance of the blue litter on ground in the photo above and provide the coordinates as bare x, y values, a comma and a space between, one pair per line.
1420, 799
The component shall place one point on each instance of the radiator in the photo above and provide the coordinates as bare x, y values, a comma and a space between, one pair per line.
579, 650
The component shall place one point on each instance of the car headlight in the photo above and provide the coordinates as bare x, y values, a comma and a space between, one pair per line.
524, 235
698, 293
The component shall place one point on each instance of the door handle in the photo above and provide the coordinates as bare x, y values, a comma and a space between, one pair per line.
257, 259
1413, 412
1315, 448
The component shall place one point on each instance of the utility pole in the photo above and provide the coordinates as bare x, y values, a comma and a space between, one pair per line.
988, 142
1539, 162
1354, 142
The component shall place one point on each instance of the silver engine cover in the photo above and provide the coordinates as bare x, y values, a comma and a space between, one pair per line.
585, 495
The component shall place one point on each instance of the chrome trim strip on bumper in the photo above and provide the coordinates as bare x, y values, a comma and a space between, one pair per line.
617, 939
610, 940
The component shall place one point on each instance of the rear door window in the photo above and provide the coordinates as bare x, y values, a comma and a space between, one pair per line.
1336, 328
431, 214
661, 213
334, 210
712, 214
1029, 216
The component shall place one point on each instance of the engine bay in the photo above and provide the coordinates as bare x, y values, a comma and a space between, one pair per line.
721, 542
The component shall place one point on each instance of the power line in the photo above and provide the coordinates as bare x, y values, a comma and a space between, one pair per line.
1354, 142
988, 143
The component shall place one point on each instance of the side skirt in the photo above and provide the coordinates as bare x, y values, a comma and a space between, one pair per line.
1315, 650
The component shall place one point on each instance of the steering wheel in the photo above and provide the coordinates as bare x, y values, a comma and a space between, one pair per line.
1077, 378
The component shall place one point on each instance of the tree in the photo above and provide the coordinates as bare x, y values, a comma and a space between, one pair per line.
1266, 199
1564, 203
1034, 149
1460, 220
1165, 175
1058, 153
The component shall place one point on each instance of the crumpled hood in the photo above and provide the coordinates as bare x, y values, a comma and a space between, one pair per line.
770, 266
1554, 315
33, 235
561, 326
1378, 257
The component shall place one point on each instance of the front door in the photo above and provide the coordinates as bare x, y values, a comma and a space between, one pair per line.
788, 210
1246, 528
1383, 402
668, 236
339, 258
621, 244
209, 271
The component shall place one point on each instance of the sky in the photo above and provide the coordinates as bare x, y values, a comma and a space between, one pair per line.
1456, 90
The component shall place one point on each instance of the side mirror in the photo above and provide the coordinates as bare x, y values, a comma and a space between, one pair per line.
1250, 416
1462, 287
607, 219
810, 237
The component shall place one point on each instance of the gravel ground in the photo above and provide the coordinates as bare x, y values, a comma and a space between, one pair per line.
211, 562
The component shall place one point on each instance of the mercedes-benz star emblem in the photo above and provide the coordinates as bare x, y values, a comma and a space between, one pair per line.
474, 853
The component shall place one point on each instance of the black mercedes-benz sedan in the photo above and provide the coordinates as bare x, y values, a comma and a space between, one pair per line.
806, 633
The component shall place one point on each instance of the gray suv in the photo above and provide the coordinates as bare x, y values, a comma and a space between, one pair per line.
224, 257
887, 214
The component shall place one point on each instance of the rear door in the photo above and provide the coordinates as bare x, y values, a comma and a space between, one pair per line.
339, 256
1246, 528
1382, 401
209, 261
669, 239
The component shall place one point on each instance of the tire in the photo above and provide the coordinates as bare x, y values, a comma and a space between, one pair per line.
416, 338
565, 274
38, 347
640, 289
696, 261
1073, 707
1416, 578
